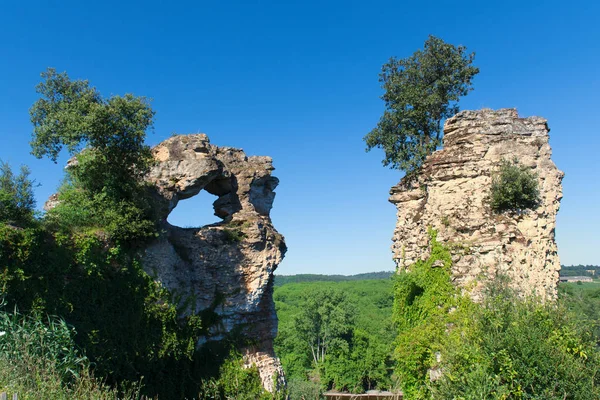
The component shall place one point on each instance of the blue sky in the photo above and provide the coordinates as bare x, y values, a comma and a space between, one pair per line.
297, 80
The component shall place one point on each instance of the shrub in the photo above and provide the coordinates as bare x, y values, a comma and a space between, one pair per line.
128, 324
514, 188
506, 347
520, 349
236, 382
300, 389
122, 221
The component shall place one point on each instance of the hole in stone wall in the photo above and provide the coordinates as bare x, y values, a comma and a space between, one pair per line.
194, 212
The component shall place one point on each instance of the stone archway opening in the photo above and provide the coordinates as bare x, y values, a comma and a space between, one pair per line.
194, 212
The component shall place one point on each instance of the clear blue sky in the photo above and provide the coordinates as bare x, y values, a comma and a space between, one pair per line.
297, 80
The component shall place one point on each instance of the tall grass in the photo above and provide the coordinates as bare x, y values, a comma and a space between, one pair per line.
39, 360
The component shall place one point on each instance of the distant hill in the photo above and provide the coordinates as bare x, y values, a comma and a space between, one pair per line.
580, 270
281, 280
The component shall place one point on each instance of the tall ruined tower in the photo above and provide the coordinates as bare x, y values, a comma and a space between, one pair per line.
452, 193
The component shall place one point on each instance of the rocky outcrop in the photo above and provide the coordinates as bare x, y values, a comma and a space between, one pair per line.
224, 270
451, 195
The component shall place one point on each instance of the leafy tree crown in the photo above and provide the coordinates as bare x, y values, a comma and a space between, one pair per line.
72, 114
103, 189
420, 91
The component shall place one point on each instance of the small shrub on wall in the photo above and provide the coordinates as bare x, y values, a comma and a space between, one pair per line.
514, 188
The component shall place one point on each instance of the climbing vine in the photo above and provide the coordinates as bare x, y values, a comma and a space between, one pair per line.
427, 310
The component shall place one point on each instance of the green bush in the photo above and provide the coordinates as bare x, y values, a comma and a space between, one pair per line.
300, 389
506, 347
122, 221
514, 188
235, 382
520, 349
128, 325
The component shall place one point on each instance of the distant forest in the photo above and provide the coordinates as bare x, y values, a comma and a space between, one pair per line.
281, 280
580, 270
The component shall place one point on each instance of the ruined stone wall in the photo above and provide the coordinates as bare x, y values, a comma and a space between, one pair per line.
224, 269
452, 193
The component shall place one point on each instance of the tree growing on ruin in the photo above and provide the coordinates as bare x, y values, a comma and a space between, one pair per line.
420, 92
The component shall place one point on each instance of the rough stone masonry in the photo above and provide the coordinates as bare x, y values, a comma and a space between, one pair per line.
451, 195
223, 269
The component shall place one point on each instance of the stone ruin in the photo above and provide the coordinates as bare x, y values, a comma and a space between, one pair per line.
451, 195
226, 267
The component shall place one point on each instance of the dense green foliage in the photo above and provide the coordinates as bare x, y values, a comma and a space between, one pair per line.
514, 188
521, 349
506, 347
281, 280
420, 91
358, 339
126, 323
103, 188
580, 270
425, 304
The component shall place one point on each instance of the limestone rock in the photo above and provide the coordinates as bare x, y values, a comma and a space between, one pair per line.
52, 202
452, 193
226, 268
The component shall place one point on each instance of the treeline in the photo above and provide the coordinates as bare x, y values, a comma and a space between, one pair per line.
580, 270
281, 280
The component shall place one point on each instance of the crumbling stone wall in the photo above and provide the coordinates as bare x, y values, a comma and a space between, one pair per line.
452, 193
223, 269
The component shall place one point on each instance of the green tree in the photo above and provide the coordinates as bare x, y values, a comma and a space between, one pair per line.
103, 189
325, 322
17, 202
74, 115
420, 91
